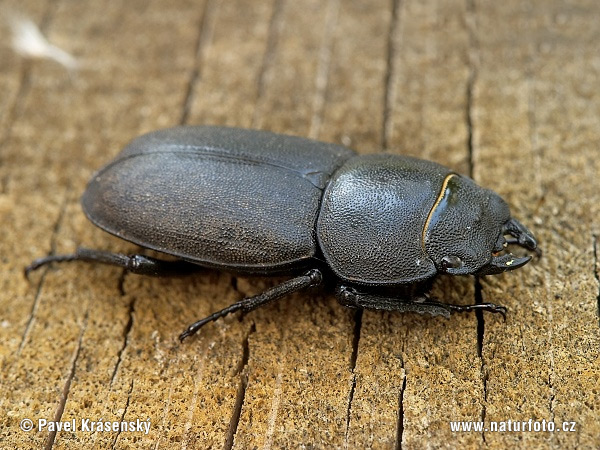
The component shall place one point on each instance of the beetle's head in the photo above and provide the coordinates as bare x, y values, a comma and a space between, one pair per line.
466, 231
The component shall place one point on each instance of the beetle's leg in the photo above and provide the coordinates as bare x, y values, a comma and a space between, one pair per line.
350, 297
311, 278
490, 307
138, 264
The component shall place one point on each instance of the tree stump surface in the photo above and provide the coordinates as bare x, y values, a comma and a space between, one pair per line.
506, 92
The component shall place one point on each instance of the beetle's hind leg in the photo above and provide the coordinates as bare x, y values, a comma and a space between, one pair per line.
349, 296
311, 278
138, 264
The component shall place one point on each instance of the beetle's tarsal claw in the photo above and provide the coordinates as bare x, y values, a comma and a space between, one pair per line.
195, 327
504, 263
40, 262
489, 307
524, 237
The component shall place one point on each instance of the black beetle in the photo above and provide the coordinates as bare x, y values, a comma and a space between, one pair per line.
382, 226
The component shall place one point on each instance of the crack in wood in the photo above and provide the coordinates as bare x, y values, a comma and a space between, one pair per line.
241, 391
480, 339
4, 181
245, 350
67, 387
400, 420
32, 313
126, 333
122, 419
479, 316
275, 27
234, 285
551, 373
53, 238
473, 60
121, 282
390, 74
237, 412
551, 400
353, 357
323, 68
552, 397
596, 275
349, 408
14, 113
469, 120
205, 33
400, 425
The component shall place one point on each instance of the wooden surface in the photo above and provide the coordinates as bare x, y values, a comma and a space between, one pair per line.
505, 91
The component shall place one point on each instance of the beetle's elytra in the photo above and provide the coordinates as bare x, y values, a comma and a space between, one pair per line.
382, 226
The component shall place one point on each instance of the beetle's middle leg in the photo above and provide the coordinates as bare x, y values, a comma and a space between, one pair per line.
138, 264
311, 278
351, 297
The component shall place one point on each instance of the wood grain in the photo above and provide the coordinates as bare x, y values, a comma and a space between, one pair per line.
506, 92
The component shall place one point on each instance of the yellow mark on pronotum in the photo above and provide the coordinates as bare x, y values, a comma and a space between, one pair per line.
509, 263
435, 205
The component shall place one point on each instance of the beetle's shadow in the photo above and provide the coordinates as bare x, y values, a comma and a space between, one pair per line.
454, 290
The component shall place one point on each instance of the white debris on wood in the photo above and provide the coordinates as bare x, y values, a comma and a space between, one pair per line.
28, 41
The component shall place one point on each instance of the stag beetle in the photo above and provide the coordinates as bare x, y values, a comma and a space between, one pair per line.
381, 226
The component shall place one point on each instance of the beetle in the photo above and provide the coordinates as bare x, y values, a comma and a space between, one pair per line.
380, 226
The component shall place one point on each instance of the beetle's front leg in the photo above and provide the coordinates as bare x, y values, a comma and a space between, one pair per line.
351, 297
138, 264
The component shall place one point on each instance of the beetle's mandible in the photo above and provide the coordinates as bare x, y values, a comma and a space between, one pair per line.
380, 226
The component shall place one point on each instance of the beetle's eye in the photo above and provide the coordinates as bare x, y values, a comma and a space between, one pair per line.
451, 262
